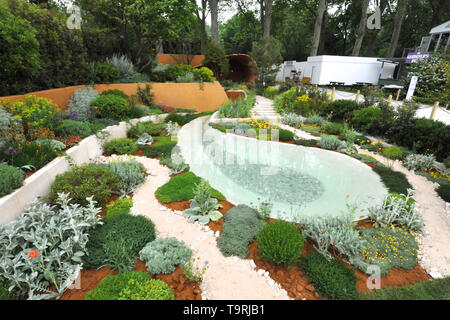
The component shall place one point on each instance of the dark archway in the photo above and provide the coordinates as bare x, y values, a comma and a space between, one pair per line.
241, 68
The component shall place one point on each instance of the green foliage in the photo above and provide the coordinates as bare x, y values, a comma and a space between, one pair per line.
239, 32
285, 135
151, 290
394, 153
329, 142
280, 242
5, 294
271, 92
120, 146
73, 128
330, 277
292, 119
341, 109
111, 106
85, 181
240, 229
181, 188
267, 53
393, 180
215, 60
102, 72
11, 178
435, 289
423, 162
164, 254
203, 208
145, 95
238, 108
315, 119
115, 92
123, 64
347, 148
33, 153
447, 162
181, 73
363, 118
388, 248
444, 192
428, 136
162, 148
348, 135
153, 129
120, 206
41, 250
333, 128
306, 143
130, 174
118, 241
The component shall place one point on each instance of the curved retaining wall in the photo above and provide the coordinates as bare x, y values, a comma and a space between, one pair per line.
38, 184
201, 97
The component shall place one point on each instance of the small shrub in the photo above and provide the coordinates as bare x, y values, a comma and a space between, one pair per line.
80, 102
130, 174
293, 120
86, 181
444, 192
280, 242
120, 206
203, 208
341, 109
120, 146
111, 106
123, 64
115, 92
388, 248
145, 95
118, 241
306, 143
35, 153
271, 92
11, 178
329, 142
419, 162
285, 135
5, 294
164, 254
348, 135
240, 229
148, 127
181, 188
333, 128
364, 117
347, 148
102, 72
73, 128
315, 119
395, 182
447, 162
394, 153
330, 278
150, 290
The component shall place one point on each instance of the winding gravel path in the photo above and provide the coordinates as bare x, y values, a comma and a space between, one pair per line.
226, 278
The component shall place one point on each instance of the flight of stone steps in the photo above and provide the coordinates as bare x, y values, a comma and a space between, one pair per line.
264, 109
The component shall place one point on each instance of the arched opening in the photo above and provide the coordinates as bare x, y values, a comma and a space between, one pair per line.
241, 68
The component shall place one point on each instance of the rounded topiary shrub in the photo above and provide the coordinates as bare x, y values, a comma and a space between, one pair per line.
280, 242
111, 106
86, 181
11, 178
120, 146
285, 135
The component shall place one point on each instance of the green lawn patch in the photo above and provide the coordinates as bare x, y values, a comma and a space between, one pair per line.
393, 180
181, 188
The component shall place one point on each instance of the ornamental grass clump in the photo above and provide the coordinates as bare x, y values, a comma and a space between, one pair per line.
203, 207
42, 250
280, 242
164, 254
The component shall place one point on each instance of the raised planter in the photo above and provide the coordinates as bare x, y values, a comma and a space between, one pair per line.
38, 185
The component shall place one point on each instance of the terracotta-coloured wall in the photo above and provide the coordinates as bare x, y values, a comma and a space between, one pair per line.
179, 95
175, 59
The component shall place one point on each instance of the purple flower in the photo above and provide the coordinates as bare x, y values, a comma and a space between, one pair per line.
206, 262
182, 261
11, 151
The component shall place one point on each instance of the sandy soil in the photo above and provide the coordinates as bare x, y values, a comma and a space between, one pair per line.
226, 278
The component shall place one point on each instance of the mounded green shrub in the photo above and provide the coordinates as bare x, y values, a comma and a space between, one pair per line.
130, 174
130, 286
73, 128
329, 142
285, 135
348, 135
306, 143
341, 109
394, 152
164, 254
103, 72
181, 188
333, 128
11, 178
444, 191
153, 129
118, 241
115, 92
86, 181
120, 206
111, 106
240, 229
330, 278
120, 146
280, 242
395, 181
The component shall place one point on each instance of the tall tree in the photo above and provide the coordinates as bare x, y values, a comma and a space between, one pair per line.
361, 29
214, 8
401, 10
318, 27
201, 14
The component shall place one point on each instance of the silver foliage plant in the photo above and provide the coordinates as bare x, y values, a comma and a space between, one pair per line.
203, 206
164, 254
293, 120
145, 139
334, 232
125, 66
59, 236
419, 162
397, 210
130, 173
172, 129
80, 102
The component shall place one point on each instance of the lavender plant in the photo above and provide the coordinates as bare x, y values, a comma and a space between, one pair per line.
43, 248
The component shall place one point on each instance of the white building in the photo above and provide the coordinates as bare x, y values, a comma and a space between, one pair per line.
439, 38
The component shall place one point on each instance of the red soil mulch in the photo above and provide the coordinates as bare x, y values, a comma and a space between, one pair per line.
183, 289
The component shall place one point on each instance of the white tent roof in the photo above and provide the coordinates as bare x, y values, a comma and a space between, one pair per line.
442, 28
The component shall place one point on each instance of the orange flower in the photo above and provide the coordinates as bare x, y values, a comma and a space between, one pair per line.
348, 196
33, 254
95, 107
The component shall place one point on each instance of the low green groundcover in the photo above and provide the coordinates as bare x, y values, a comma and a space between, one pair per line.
395, 181
181, 188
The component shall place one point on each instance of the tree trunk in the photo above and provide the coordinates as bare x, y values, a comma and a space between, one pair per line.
214, 7
267, 17
202, 21
374, 33
397, 27
261, 13
318, 27
362, 29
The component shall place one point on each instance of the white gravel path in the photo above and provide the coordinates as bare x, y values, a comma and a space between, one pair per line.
226, 278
